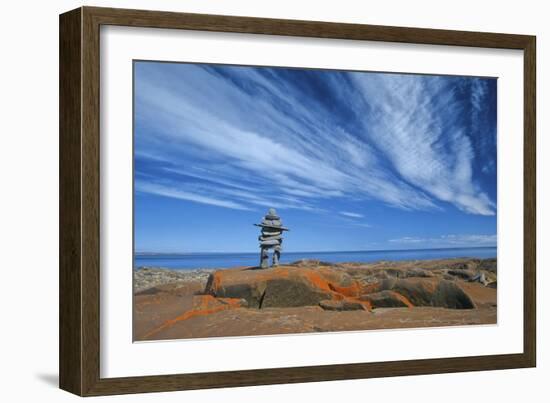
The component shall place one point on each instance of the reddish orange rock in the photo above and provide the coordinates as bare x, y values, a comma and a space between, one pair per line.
202, 305
283, 286
295, 286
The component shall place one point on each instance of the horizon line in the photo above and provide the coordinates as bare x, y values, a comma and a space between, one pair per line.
334, 251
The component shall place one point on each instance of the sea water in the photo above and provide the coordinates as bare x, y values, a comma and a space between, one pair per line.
225, 260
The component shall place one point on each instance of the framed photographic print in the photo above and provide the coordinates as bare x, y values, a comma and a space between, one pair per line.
249, 201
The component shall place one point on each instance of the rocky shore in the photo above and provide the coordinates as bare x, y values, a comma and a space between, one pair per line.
313, 296
149, 277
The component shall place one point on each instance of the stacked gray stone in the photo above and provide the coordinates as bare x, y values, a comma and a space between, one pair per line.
271, 238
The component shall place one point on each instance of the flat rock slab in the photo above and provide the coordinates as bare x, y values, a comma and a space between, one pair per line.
273, 242
269, 238
202, 305
271, 233
271, 227
314, 319
342, 305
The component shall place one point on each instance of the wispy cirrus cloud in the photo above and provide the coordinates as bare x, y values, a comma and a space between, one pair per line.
290, 138
449, 240
352, 215
421, 126
167, 191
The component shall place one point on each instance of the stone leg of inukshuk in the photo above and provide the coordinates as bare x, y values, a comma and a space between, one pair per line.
276, 255
264, 258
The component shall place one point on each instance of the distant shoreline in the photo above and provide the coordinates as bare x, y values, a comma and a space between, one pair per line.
312, 252
218, 260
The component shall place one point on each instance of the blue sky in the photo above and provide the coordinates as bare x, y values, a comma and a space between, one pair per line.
350, 160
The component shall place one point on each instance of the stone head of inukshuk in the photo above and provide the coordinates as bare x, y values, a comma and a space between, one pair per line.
271, 238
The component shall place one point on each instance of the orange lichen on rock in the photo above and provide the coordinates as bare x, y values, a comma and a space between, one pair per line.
352, 290
316, 280
205, 302
403, 299
202, 305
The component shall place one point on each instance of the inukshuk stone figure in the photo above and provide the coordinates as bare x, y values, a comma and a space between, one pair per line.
271, 238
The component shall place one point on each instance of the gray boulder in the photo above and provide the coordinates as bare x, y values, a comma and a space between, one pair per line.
430, 292
448, 294
287, 293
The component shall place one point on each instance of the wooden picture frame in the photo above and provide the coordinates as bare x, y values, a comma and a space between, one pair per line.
79, 346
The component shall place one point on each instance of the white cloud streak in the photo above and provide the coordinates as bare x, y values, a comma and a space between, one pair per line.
183, 195
350, 214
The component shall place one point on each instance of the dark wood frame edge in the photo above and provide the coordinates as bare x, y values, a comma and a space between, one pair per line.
79, 361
